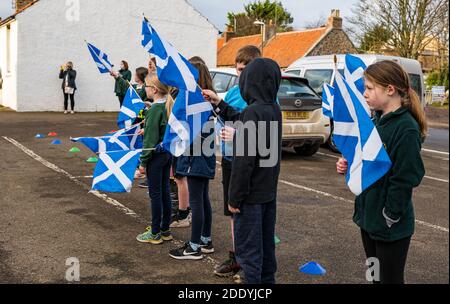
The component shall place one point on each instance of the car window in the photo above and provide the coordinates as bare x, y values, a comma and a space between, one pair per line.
317, 78
294, 72
294, 88
415, 83
234, 81
221, 82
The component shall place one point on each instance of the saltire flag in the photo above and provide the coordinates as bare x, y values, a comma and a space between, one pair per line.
354, 75
327, 100
115, 171
132, 105
189, 114
100, 58
173, 69
190, 111
357, 139
122, 140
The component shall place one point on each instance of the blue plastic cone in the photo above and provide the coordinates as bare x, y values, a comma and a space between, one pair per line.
56, 142
313, 268
39, 136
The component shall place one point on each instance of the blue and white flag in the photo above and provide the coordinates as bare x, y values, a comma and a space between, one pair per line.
327, 100
122, 140
357, 139
115, 171
189, 114
172, 68
101, 59
132, 105
354, 75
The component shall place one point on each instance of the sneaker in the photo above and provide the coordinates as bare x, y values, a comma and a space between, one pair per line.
65, 112
228, 268
180, 223
166, 236
186, 253
143, 185
148, 237
138, 175
207, 248
239, 278
72, 112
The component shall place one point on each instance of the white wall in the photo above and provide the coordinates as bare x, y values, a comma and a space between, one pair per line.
8, 94
47, 39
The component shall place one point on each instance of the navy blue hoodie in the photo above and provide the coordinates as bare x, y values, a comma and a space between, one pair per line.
251, 182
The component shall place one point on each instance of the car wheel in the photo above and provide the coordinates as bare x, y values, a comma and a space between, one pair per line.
307, 150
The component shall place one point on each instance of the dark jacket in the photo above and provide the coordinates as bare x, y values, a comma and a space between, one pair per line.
252, 180
121, 87
391, 195
71, 81
198, 166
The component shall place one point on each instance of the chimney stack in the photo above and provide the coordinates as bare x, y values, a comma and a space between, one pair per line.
229, 34
334, 21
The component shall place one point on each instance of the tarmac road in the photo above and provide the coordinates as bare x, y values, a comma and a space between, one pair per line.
47, 216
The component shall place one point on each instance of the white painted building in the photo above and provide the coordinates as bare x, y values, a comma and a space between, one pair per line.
37, 40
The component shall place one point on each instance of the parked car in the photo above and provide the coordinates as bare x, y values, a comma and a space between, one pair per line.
305, 127
320, 69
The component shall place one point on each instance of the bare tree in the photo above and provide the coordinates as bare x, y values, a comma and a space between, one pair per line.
413, 24
319, 22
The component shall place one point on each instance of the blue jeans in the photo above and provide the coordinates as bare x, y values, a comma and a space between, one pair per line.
158, 179
200, 208
254, 234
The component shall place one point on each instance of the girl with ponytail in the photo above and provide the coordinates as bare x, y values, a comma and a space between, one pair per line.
384, 212
156, 164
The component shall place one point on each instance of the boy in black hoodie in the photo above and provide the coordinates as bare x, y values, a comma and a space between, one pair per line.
255, 170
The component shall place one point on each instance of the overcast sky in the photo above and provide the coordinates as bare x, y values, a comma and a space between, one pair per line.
303, 11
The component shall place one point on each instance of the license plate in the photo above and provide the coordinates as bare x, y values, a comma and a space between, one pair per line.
296, 115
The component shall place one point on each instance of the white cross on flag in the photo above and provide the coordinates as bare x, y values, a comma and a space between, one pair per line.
115, 171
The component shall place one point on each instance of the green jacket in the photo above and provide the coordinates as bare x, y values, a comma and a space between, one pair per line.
154, 129
121, 86
389, 199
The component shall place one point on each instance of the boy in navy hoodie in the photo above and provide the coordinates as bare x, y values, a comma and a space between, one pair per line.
254, 176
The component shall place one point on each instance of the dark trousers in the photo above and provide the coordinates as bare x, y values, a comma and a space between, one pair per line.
121, 98
158, 176
226, 178
200, 208
391, 255
66, 101
254, 233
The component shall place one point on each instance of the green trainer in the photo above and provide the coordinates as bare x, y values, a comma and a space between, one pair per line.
166, 235
148, 237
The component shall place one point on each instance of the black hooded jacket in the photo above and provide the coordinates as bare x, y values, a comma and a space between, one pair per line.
254, 179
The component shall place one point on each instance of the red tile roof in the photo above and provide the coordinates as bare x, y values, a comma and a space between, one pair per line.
227, 54
284, 48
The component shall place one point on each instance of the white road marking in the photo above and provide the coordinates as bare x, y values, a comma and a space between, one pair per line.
55, 168
428, 177
436, 179
338, 198
99, 195
436, 151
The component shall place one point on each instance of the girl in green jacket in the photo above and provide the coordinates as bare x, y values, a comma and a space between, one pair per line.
384, 211
156, 164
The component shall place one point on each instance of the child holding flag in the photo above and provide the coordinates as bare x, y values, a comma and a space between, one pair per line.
198, 170
385, 211
234, 99
157, 163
